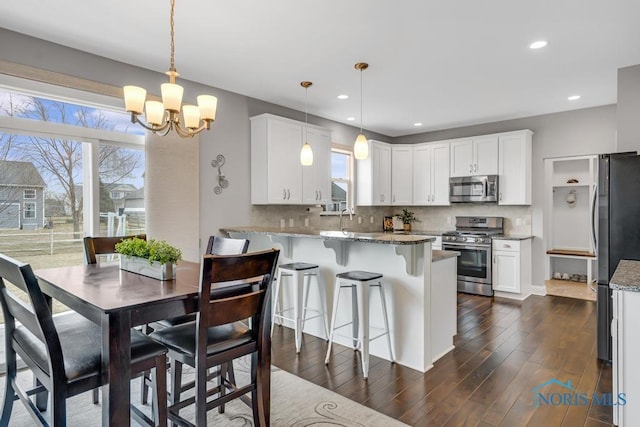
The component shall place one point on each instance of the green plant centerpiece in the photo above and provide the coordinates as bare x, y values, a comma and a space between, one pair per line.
153, 258
407, 218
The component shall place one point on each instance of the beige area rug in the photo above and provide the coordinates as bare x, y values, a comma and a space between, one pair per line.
294, 403
566, 288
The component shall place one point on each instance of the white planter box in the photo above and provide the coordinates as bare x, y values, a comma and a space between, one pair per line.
141, 266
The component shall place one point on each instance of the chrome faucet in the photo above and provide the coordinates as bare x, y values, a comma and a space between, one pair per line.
350, 216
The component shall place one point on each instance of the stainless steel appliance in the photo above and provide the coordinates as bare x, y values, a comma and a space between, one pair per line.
473, 189
472, 238
618, 231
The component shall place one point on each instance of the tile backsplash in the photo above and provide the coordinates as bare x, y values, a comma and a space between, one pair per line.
517, 219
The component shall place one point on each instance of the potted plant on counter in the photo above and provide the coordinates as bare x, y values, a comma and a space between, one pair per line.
407, 218
152, 258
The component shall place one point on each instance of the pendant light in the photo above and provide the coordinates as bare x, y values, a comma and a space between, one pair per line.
361, 146
306, 154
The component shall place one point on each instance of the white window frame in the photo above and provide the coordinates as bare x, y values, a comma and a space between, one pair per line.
24, 193
33, 210
90, 138
342, 149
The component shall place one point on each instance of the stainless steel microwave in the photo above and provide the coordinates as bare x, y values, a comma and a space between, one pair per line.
473, 189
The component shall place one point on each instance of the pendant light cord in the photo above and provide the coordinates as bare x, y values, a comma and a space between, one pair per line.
306, 109
361, 118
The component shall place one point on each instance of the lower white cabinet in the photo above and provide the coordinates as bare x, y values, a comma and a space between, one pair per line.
511, 266
625, 354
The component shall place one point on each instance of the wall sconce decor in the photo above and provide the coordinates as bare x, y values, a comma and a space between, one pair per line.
222, 181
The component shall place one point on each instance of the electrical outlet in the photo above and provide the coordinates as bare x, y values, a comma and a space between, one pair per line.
518, 222
282, 223
306, 222
359, 220
371, 219
448, 220
291, 222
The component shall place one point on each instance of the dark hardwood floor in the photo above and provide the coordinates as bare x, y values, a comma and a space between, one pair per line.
503, 350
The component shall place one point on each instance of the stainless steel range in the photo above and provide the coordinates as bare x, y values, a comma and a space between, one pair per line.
472, 238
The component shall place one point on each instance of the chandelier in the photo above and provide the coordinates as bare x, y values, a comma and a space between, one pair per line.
162, 117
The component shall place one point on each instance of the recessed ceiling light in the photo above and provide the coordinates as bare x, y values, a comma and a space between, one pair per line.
417, 124
343, 96
351, 118
573, 97
538, 44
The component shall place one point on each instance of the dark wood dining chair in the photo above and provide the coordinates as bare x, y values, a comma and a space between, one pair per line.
218, 336
63, 352
94, 246
217, 245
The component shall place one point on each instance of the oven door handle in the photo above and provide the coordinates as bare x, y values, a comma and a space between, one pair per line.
454, 246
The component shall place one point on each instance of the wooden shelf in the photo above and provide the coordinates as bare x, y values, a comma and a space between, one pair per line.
577, 184
571, 253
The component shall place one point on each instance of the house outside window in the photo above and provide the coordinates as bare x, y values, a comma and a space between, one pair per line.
29, 210
341, 180
29, 193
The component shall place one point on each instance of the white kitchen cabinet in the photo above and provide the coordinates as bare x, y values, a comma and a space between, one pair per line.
474, 156
514, 168
277, 177
402, 175
511, 266
316, 179
374, 176
431, 174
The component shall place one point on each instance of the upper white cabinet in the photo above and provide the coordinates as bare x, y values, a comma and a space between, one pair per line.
316, 179
474, 156
431, 174
277, 177
514, 168
374, 176
402, 177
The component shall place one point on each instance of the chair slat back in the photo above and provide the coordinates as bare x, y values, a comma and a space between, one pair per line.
103, 245
35, 315
259, 267
226, 246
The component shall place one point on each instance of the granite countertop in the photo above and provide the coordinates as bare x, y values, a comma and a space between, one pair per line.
626, 277
512, 237
439, 255
397, 238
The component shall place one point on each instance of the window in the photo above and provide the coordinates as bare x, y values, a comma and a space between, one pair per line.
29, 210
341, 179
29, 193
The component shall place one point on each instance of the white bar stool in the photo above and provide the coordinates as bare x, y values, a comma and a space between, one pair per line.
301, 273
359, 282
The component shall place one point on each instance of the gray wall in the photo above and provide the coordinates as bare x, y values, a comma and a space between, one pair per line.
571, 133
577, 132
230, 134
629, 108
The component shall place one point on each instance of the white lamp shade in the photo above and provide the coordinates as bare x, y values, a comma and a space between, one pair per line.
208, 105
134, 97
154, 111
361, 147
306, 155
191, 115
171, 96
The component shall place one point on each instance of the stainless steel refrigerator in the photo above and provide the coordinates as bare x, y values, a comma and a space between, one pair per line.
618, 231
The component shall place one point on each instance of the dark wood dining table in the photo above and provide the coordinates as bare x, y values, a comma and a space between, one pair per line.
117, 301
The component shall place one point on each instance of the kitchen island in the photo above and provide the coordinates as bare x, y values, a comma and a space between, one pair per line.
420, 285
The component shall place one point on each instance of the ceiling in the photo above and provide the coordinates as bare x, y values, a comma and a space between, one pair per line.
441, 63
